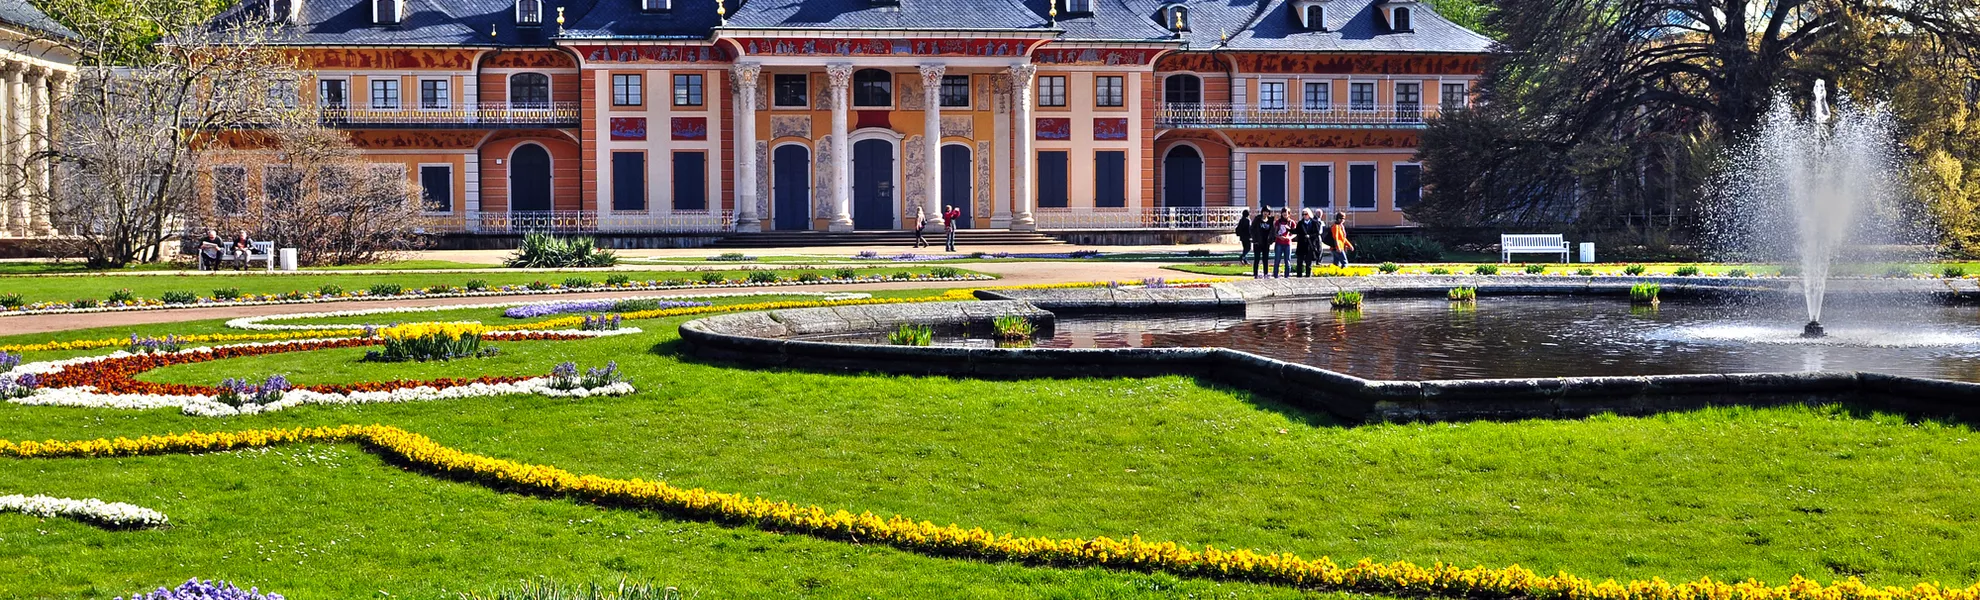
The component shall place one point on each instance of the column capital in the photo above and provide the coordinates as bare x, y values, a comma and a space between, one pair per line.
12, 70
838, 75
931, 75
38, 71
1022, 74
745, 74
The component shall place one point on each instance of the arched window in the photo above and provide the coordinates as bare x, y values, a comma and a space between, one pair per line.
1400, 19
1182, 89
1316, 18
529, 12
873, 87
387, 12
529, 90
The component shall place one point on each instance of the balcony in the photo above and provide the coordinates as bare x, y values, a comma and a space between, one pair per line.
1170, 115
1216, 218
578, 221
490, 115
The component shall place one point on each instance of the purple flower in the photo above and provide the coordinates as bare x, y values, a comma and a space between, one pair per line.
29, 381
530, 311
9, 361
195, 589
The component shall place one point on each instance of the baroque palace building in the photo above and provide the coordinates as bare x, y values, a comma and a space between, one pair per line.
37, 66
649, 116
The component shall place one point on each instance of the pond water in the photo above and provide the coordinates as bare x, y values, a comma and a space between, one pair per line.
1398, 338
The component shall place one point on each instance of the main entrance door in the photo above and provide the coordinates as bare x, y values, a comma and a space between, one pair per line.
956, 182
1182, 178
790, 182
529, 179
873, 184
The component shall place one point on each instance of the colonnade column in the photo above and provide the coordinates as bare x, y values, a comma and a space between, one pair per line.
58, 93
1024, 188
931, 154
838, 79
36, 166
744, 76
15, 221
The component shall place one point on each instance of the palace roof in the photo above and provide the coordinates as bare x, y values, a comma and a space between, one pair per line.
20, 14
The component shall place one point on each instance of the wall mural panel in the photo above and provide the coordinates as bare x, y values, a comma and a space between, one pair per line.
403, 58
1054, 128
790, 126
982, 186
908, 93
438, 140
628, 128
821, 180
1400, 140
763, 179
1373, 64
653, 54
690, 128
962, 126
884, 47
1110, 128
1095, 56
530, 60
914, 171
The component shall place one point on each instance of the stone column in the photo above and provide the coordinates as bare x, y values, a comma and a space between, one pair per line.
744, 76
40, 129
838, 80
1024, 189
931, 154
10, 154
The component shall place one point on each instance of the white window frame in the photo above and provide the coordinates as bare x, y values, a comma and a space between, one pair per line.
446, 93
379, 7
422, 182
1464, 98
535, 15
1119, 95
392, 89
322, 98
1374, 95
656, 5
1393, 167
1306, 100
1346, 202
1263, 102
1064, 94
1333, 199
637, 85
1285, 184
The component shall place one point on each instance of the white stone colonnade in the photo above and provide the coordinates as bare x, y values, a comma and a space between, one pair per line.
27, 98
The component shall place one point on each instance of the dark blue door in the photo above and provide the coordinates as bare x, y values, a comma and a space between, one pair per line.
956, 184
791, 184
873, 184
1182, 178
529, 179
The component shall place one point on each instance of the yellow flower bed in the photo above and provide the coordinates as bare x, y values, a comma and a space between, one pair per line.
191, 339
569, 322
1366, 576
424, 331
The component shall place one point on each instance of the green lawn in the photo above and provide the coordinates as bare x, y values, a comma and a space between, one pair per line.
70, 287
78, 267
1725, 493
1660, 269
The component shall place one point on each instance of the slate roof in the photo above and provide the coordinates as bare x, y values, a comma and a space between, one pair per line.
1353, 25
19, 13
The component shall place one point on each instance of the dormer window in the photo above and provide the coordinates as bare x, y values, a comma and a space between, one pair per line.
1079, 8
1175, 17
656, 5
883, 3
1399, 19
388, 12
1310, 14
282, 12
529, 12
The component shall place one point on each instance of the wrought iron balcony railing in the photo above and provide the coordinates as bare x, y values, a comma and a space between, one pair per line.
1365, 116
577, 221
486, 114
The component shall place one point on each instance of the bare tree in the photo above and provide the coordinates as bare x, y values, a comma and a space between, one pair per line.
308, 188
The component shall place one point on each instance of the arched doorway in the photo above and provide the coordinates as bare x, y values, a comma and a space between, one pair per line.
790, 183
873, 184
1182, 178
956, 184
529, 179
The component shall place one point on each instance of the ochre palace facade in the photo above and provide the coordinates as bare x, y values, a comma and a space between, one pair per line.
652, 116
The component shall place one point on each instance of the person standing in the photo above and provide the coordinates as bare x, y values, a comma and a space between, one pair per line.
1244, 237
1261, 243
919, 217
1282, 237
1304, 234
950, 216
1338, 233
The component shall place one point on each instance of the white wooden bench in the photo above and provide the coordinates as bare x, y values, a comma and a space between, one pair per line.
1532, 243
257, 251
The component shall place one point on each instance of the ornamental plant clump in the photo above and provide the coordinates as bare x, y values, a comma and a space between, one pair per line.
565, 376
1390, 268
912, 335
540, 250
123, 296
330, 290
385, 289
241, 392
148, 345
178, 297
205, 590
1013, 327
1635, 270
1439, 271
577, 282
1463, 294
537, 286
1954, 272
845, 273
617, 279
944, 272
1536, 269
429, 341
1644, 293
762, 276
83, 303
1347, 300
1686, 271
476, 285
11, 300
1486, 269
903, 275
1736, 273
1585, 272
731, 257
808, 277
232, 293
601, 323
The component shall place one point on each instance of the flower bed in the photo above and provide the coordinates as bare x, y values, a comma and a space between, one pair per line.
205, 590
1131, 553
109, 515
531, 311
261, 323
429, 341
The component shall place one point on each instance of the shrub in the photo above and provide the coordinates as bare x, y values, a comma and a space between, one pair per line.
1486, 269
1390, 268
577, 282
11, 300
674, 282
1535, 269
232, 293
1686, 271
902, 275
241, 392
386, 289
476, 285
148, 345
1953, 272
1635, 270
762, 276
178, 297
912, 335
540, 250
565, 376
83, 303
845, 274
1439, 271
123, 296
1398, 248
1585, 272
808, 276
330, 290
1348, 300
1736, 273
1644, 293
537, 286
429, 341
731, 257
293, 295
1463, 294
945, 272
617, 279
712, 278
1013, 327
1192, 252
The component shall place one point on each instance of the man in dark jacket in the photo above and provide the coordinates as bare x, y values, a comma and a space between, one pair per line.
1263, 231
1243, 232
1305, 233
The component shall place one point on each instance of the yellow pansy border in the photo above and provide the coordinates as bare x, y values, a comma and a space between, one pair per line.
1132, 553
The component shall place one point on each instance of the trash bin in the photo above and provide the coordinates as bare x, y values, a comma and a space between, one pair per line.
1588, 252
288, 258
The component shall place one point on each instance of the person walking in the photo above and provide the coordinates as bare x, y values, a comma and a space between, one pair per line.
1338, 233
1304, 234
1244, 237
950, 216
1282, 238
919, 217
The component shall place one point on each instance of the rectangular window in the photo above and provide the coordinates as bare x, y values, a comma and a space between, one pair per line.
1272, 95
230, 190
1361, 96
690, 181
385, 94
282, 184
1455, 96
433, 93
629, 181
1409, 185
628, 90
436, 188
1052, 90
955, 90
1109, 90
1110, 179
1272, 185
330, 93
792, 91
1319, 95
1052, 179
687, 89
1316, 186
1361, 187
1409, 101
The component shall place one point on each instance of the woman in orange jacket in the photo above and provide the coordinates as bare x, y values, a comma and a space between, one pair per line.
1338, 233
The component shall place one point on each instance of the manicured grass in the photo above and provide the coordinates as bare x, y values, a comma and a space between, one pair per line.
63, 288
1726, 493
78, 267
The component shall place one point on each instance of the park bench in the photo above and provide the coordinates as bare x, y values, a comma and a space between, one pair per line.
1532, 243
257, 251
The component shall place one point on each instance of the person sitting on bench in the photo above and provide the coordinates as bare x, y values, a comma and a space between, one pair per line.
209, 251
241, 248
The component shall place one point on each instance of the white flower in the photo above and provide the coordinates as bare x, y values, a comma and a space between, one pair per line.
89, 510
260, 323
